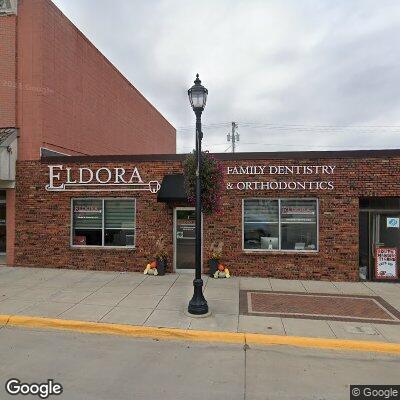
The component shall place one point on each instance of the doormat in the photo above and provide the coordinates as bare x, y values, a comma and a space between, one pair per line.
336, 307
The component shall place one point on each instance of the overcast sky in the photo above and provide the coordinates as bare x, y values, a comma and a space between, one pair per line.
295, 75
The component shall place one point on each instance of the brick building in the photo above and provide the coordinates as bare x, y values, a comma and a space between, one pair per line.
311, 215
60, 95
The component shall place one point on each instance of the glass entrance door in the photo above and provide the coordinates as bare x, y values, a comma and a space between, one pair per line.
185, 239
385, 235
2, 227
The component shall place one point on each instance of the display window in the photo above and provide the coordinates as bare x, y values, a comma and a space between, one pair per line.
280, 224
103, 222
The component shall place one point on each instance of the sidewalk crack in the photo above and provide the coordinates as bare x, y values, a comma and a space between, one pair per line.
302, 284
245, 348
330, 327
154, 309
6, 323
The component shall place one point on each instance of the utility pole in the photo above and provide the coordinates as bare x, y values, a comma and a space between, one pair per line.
234, 136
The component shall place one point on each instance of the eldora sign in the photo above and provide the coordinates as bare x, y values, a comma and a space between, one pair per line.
101, 179
386, 263
298, 174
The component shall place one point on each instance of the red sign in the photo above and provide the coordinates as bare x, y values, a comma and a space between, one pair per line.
386, 263
80, 240
304, 210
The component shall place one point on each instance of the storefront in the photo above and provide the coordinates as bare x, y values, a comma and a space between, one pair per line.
325, 215
3, 232
8, 157
379, 237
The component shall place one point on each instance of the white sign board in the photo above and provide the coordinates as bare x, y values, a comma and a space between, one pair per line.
386, 263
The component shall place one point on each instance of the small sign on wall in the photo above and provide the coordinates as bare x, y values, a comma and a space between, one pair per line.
392, 222
386, 263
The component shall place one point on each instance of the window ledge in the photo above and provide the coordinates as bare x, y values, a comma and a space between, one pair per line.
102, 247
282, 252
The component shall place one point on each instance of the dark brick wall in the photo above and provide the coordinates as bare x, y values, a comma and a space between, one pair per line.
43, 219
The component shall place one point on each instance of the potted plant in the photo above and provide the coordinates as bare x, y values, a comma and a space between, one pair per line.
159, 265
214, 260
161, 256
213, 263
161, 262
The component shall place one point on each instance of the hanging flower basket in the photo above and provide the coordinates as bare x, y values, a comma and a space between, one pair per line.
212, 181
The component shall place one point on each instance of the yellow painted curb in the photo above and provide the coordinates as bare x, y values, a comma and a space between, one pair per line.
125, 330
197, 336
4, 319
331, 344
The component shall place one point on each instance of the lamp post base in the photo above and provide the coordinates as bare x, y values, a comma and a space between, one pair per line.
198, 305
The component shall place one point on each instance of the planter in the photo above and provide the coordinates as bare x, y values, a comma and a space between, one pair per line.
161, 266
213, 264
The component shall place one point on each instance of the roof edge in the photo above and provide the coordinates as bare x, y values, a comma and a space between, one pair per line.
295, 155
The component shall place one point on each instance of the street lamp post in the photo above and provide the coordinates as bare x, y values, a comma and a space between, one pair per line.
198, 98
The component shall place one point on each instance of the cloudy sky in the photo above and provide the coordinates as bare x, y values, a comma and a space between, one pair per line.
294, 74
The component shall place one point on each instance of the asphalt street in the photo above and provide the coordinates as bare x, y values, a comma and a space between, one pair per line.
106, 367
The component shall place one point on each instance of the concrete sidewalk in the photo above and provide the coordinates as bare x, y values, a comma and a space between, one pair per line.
136, 299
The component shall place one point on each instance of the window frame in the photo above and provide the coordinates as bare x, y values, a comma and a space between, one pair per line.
280, 251
103, 228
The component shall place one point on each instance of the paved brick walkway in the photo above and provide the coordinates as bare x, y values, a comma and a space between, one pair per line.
133, 298
336, 307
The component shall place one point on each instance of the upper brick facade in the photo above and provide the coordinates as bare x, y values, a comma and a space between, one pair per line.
45, 217
8, 26
70, 98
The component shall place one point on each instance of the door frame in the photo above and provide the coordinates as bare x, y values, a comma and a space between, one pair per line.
4, 201
190, 271
374, 233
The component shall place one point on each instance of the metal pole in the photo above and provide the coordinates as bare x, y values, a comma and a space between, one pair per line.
199, 137
198, 304
233, 136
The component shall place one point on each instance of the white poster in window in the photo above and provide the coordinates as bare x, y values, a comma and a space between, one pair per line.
386, 263
392, 222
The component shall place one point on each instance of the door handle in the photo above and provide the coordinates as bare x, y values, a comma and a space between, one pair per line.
374, 247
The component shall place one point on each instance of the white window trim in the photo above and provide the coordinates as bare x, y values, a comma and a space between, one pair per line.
101, 247
278, 251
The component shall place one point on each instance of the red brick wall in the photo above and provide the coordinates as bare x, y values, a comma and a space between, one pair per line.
7, 71
72, 99
44, 218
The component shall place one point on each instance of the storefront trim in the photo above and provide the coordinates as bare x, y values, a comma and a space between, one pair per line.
175, 241
296, 155
4, 224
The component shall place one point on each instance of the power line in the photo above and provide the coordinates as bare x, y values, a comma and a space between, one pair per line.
284, 145
288, 131
299, 145
311, 128
262, 124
